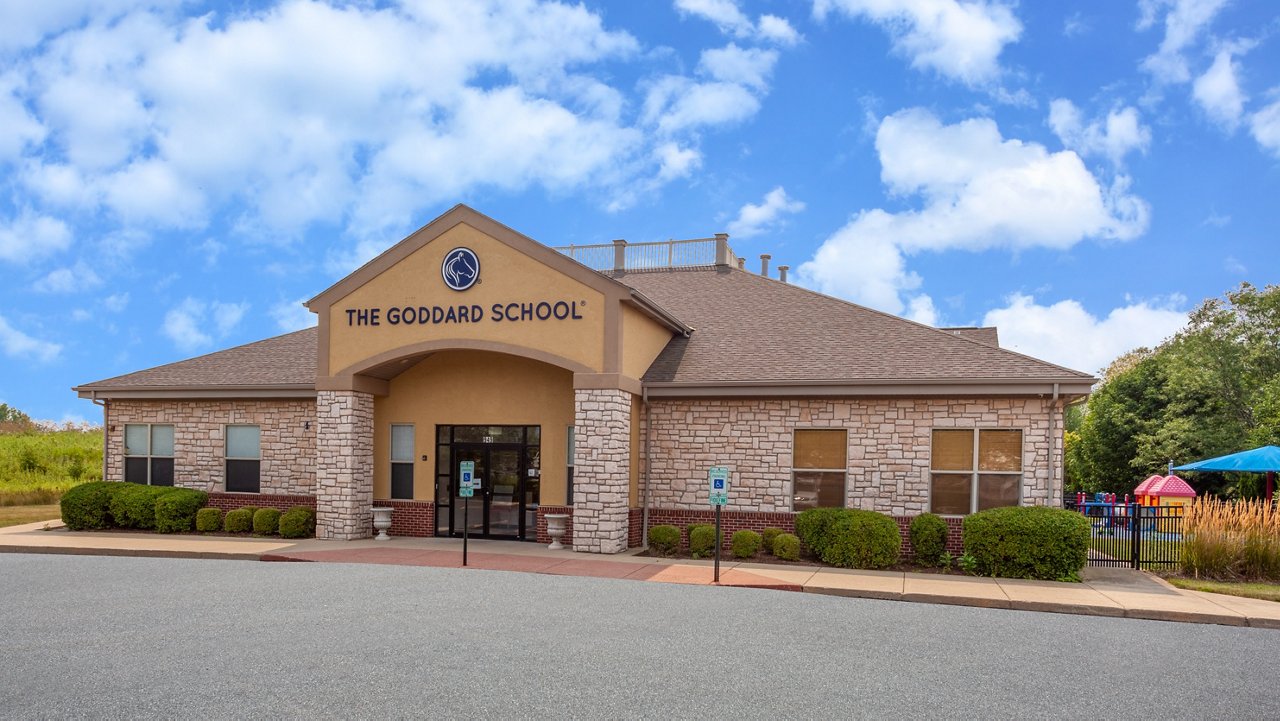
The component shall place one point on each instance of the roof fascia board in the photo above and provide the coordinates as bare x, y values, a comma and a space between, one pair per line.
194, 393
889, 389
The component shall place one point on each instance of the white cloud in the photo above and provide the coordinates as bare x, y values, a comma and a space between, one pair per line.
959, 39
978, 191
79, 277
922, 310
21, 128
31, 236
1183, 23
1218, 91
1067, 334
677, 162
17, 344
1121, 133
746, 66
195, 324
291, 315
754, 219
116, 302
1265, 127
730, 19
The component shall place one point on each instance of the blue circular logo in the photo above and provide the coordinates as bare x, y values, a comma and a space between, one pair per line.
460, 269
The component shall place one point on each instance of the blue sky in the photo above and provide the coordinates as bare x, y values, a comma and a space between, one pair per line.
178, 177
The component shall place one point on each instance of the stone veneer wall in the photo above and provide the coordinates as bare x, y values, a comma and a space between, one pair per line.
602, 470
288, 446
888, 453
344, 465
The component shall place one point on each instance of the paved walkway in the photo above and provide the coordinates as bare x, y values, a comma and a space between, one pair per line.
1105, 592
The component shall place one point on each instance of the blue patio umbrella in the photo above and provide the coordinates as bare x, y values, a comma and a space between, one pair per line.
1259, 460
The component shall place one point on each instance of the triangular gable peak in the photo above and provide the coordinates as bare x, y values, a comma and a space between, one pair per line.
466, 281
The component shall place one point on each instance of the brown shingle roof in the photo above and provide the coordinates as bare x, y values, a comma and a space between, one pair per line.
748, 328
989, 334
285, 360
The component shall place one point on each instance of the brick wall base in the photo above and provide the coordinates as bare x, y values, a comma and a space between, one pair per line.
410, 519
733, 521
232, 501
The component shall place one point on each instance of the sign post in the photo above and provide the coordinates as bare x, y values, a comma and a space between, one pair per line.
718, 480
466, 489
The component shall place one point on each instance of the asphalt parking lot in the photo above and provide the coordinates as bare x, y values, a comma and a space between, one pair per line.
109, 637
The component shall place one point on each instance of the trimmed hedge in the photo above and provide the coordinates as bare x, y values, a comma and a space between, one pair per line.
787, 546
251, 509
862, 539
929, 538
209, 520
88, 506
702, 540
134, 505
175, 510
812, 527
298, 522
745, 544
1050, 544
238, 521
767, 536
664, 540
266, 522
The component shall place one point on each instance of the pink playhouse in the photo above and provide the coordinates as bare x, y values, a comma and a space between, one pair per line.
1164, 491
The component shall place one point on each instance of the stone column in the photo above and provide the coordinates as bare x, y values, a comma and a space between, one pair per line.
602, 470
344, 465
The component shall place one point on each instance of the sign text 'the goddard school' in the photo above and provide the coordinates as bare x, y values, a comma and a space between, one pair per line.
439, 315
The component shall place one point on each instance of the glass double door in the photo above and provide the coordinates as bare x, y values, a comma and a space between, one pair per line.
497, 509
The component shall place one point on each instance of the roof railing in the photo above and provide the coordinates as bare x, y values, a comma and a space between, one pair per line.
621, 256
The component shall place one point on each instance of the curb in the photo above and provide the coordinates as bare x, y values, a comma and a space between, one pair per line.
129, 552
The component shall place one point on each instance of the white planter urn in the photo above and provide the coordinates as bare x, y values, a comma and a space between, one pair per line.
382, 522
555, 528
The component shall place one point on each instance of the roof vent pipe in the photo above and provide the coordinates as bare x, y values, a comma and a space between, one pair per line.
782, 272
764, 264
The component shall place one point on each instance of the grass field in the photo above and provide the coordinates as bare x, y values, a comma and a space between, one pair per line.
37, 466
18, 515
1265, 591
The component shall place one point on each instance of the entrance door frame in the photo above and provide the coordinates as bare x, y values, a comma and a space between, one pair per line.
450, 491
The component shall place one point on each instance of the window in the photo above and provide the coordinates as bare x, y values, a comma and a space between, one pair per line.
148, 454
568, 493
401, 461
818, 469
244, 459
975, 470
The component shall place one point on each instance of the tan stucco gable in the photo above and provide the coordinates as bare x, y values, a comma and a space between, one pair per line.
528, 300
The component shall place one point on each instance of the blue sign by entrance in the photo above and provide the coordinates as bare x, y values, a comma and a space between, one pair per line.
460, 269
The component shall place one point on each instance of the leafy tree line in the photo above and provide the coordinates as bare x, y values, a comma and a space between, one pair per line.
1211, 389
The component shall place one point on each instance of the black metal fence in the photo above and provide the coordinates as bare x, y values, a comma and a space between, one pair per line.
1130, 535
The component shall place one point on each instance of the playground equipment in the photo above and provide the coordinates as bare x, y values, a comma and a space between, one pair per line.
1164, 491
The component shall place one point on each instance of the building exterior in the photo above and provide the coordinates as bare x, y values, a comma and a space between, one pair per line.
598, 381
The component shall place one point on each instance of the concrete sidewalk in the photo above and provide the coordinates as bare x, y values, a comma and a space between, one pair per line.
1105, 592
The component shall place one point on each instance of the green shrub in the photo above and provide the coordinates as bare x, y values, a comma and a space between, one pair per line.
134, 506
209, 520
664, 540
787, 546
88, 506
251, 509
929, 538
702, 540
812, 526
238, 521
298, 522
745, 544
862, 539
1050, 544
176, 510
766, 538
266, 522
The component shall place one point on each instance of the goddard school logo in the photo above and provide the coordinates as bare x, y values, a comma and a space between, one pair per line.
460, 269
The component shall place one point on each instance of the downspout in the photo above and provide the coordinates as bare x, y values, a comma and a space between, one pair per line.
1055, 493
105, 430
644, 504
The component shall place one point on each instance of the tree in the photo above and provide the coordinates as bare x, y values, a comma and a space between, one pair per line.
9, 414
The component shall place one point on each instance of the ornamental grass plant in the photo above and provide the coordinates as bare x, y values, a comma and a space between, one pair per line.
1227, 540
